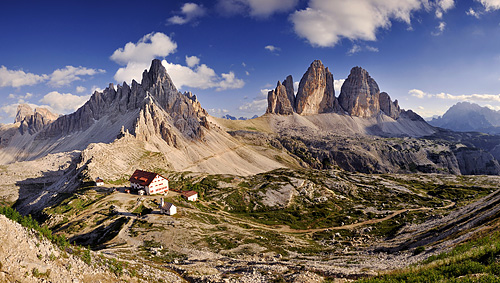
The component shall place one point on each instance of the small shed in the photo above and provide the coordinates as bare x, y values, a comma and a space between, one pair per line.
99, 181
190, 195
167, 208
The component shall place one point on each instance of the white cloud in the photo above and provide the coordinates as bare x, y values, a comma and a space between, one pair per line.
63, 77
371, 48
417, 93
439, 29
256, 106
496, 108
18, 78
442, 6
21, 98
358, 48
189, 12
337, 85
80, 89
64, 102
217, 112
133, 71
272, 48
265, 91
325, 22
192, 61
296, 87
490, 5
10, 110
146, 49
462, 97
354, 49
202, 77
473, 13
256, 8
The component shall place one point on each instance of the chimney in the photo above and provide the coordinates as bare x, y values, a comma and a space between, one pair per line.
162, 203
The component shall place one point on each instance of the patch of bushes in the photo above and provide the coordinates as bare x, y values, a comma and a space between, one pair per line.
30, 223
142, 210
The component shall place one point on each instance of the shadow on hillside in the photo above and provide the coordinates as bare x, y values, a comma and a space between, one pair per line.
102, 234
52, 188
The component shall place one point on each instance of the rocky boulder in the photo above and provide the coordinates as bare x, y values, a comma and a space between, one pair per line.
316, 93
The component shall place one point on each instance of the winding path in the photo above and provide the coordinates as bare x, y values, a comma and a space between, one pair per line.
287, 229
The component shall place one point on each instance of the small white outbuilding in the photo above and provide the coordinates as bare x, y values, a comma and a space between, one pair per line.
167, 208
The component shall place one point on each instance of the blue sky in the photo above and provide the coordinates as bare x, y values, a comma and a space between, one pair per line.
428, 54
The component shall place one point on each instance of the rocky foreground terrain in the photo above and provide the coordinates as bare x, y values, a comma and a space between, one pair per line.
295, 225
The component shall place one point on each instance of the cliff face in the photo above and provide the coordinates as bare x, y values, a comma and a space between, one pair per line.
183, 111
360, 95
316, 93
279, 101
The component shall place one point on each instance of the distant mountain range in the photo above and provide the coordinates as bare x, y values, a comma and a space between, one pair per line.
469, 117
229, 117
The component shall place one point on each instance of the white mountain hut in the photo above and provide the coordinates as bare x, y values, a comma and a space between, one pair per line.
167, 208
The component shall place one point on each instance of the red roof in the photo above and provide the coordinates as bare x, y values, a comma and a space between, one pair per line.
143, 178
189, 193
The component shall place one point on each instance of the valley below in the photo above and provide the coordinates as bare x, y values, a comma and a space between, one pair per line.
296, 225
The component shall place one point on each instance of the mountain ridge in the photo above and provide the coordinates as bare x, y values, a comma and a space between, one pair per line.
469, 117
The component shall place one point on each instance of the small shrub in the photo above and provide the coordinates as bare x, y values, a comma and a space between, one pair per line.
86, 257
35, 272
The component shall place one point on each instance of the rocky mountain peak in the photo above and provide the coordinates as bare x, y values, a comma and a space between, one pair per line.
288, 83
316, 93
23, 111
157, 74
360, 93
31, 120
466, 116
278, 101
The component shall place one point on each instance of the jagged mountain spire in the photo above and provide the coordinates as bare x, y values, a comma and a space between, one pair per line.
360, 95
316, 93
157, 74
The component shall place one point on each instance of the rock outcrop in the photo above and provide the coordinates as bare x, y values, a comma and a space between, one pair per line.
278, 100
360, 94
316, 93
390, 108
32, 121
288, 83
